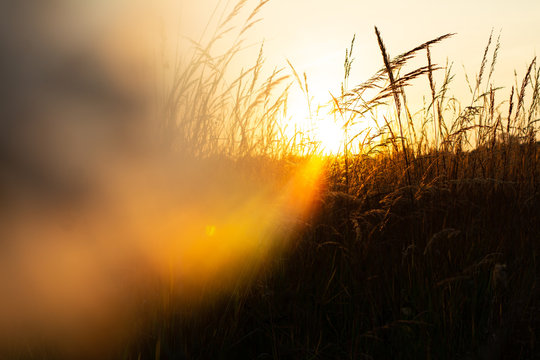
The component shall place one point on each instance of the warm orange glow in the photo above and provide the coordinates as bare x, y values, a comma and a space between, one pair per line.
247, 225
206, 232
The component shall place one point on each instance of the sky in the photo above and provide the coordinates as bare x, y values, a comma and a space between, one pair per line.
313, 34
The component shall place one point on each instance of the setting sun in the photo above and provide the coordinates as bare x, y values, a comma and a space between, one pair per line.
331, 136
319, 128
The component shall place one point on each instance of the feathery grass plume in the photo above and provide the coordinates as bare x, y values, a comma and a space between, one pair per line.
479, 134
467, 81
251, 21
303, 84
521, 93
494, 58
510, 108
448, 77
430, 75
492, 112
389, 72
482, 65
234, 13
533, 108
397, 63
395, 93
347, 65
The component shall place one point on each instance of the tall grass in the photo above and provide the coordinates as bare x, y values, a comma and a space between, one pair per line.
206, 113
425, 244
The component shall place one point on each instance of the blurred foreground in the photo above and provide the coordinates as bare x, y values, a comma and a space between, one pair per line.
101, 220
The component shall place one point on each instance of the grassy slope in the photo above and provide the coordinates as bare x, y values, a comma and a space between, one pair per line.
448, 273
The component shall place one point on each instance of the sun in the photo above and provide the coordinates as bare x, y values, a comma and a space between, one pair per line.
331, 136
320, 127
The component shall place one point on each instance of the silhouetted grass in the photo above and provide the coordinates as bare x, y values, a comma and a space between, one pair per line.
424, 244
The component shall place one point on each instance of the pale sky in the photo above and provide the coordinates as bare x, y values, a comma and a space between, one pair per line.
313, 34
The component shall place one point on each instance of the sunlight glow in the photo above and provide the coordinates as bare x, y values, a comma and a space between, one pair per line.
331, 136
324, 129
200, 235
321, 129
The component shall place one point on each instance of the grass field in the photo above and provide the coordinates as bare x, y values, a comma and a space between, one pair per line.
423, 243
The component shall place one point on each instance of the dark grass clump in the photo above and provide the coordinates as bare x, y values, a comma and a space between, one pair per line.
450, 274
